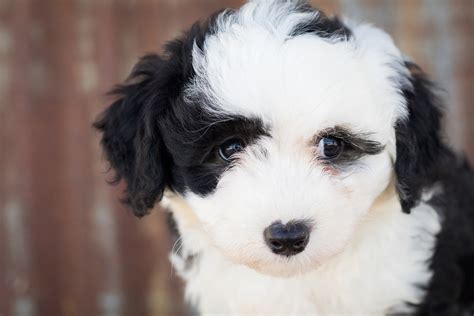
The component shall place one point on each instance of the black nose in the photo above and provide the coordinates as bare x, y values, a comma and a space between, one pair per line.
287, 240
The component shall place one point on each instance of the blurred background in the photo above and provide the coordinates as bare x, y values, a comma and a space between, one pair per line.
67, 246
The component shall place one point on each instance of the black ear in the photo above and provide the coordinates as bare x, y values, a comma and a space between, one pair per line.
420, 148
131, 139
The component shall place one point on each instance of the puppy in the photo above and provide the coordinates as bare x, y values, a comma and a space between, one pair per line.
302, 159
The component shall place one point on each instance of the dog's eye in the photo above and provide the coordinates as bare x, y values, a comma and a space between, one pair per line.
229, 148
330, 148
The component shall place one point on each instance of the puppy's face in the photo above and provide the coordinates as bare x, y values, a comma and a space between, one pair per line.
277, 125
304, 136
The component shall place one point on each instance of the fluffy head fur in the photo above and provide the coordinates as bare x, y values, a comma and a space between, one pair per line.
279, 76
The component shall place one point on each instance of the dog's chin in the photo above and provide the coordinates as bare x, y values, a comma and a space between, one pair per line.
284, 271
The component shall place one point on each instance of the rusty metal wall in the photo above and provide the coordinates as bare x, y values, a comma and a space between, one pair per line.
67, 247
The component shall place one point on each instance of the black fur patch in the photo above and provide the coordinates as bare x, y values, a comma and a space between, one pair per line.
451, 290
424, 161
420, 148
192, 139
322, 25
131, 139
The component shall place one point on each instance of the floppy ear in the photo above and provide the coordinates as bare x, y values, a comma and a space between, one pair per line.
420, 148
130, 136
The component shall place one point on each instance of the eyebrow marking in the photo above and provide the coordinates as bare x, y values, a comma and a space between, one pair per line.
357, 145
249, 130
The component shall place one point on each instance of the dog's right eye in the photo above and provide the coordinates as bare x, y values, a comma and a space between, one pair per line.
229, 148
330, 148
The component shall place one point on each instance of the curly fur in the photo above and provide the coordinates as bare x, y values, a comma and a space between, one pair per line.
394, 227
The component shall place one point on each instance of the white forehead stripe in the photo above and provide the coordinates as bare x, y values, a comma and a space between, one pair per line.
250, 66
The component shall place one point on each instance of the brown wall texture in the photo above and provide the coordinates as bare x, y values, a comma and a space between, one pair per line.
67, 246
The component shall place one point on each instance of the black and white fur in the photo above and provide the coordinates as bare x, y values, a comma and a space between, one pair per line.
392, 218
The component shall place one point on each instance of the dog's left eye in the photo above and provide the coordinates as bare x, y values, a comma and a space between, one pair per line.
330, 148
230, 148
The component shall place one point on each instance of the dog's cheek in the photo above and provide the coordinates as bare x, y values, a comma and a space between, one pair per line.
368, 179
348, 200
234, 217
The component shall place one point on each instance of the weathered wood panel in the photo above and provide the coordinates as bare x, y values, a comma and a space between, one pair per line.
67, 246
